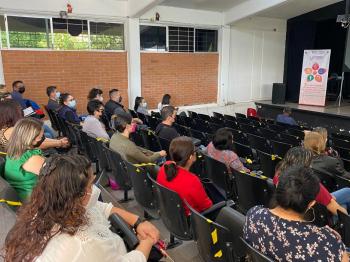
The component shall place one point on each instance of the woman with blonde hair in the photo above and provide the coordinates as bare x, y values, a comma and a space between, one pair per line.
24, 158
324, 133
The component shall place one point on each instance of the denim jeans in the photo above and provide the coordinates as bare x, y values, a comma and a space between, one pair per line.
342, 197
48, 132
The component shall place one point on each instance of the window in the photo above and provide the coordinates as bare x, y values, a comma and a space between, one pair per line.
28, 32
70, 34
3, 37
153, 38
181, 39
107, 36
206, 40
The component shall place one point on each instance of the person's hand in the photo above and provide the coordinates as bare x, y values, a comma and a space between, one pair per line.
146, 230
162, 153
64, 142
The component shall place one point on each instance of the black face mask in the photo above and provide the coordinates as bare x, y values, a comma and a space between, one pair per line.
40, 141
120, 99
21, 90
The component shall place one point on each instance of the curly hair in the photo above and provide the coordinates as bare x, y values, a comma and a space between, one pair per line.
55, 207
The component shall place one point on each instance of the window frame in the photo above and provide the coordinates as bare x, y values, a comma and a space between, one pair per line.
166, 38
51, 33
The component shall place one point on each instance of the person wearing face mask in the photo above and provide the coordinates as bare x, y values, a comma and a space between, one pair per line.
175, 175
68, 109
24, 159
18, 89
95, 93
54, 96
92, 124
64, 221
114, 106
165, 129
129, 151
141, 106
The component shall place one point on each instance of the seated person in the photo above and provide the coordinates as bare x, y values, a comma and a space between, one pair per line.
165, 129
165, 102
321, 162
282, 233
129, 151
285, 118
141, 106
64, 221
96, 94
338, 200
11, 113
54, 96
176, 176
329, 151
92, 124
68, 109
24, 158
221, 149
18, 89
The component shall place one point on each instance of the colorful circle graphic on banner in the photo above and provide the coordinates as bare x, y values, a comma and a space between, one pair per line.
321, 71
314, 72
315, 66
318, 78
308, 71
310, 78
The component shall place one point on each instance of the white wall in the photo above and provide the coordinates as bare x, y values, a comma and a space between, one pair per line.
256, 58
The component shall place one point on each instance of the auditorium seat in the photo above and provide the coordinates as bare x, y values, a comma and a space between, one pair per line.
231, 124
344, 228
248, 129
218, 115
268, 163
192, 114
182, 130
230, 118
216, 120
259, 143
204, 117
172, 214
244, 121
153, 122
280, 148
268, 133
244, 151
327, 180
239, 137
142, 187
150, 140
155, 114
254, 254
240, 115
343, 152
341, 182
289, 139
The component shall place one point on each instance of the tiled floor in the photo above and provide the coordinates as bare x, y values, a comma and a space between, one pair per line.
187, 252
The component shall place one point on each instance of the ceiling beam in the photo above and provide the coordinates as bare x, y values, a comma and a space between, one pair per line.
136, 8
249, 8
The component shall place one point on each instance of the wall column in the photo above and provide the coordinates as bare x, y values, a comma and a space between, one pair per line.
224, 64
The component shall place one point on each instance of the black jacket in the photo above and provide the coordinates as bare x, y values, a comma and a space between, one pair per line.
166, 132
111, 106
329, 165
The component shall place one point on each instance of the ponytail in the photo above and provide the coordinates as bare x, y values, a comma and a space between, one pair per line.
171, 171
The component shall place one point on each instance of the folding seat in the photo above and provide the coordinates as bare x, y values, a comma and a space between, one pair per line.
268, 163
268, 133
218, 115
143, 118
276, 128
255, 255
218, 121
240, 115
239, 136
341, 143
137, 138
133, 113
150, 140
280, 148
244, 151
230, 118
172, 213
296, 132
341, 182
343, 152
88, 145
120, 227
249, 129
198, 168
212, 239
155, 114
153, 122
231, 124
192, 114
344, 228
204, 117
119, 172
182, 130
243, 121
289, 139
346, 163
201, 125
259, 143
143, 191
252, 190
213, 128
327, 180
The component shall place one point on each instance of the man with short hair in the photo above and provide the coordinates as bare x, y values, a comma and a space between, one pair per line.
18, 89
114, 106
54, 96
285, 118
165, 129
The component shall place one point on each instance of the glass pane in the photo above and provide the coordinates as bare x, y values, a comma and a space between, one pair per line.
3, 32
181, 39
206, 40
107, 36
28, 32
153, 38
70, 34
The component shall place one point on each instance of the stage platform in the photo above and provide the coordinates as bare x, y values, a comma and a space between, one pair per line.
331, 116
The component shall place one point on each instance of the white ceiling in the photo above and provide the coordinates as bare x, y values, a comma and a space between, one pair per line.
295, 7
209, 5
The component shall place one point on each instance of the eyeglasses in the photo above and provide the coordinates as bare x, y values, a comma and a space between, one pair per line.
101, 110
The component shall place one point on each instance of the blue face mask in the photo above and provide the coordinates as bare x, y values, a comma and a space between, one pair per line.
72, 104
58, 94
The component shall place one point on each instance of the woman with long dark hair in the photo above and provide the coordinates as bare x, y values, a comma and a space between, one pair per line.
176, 176
165, 102
64, 221
141, 106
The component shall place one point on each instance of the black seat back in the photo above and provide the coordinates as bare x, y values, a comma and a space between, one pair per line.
240, 115
172, 211
289, 139
268, 163
252, 190
327, 180
255, 255
341, 182
344, 227
143, 192
218, 115
211, 238
259, 143
150, 140
343, 152
279, 148
234, 222
243, 151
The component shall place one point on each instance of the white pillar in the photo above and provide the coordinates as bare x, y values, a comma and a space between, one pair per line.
2, 77
134, 59
224, 64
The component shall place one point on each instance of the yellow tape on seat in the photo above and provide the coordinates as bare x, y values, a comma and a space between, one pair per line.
214, 236
10, 203
218, 254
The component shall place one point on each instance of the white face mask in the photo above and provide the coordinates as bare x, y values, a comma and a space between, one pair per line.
144, 104
94, 195
100, 98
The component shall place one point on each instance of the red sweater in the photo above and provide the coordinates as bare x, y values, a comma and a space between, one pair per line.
189, 188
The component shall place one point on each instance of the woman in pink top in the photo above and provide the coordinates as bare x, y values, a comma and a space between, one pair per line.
221, 149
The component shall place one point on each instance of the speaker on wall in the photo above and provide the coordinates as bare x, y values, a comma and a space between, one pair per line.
278, 93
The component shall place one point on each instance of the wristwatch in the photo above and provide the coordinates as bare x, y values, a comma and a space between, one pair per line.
138, 222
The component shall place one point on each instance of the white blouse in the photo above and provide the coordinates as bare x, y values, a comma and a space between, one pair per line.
94, 242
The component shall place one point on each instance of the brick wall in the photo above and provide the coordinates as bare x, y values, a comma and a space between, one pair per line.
189, 78
75, 72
